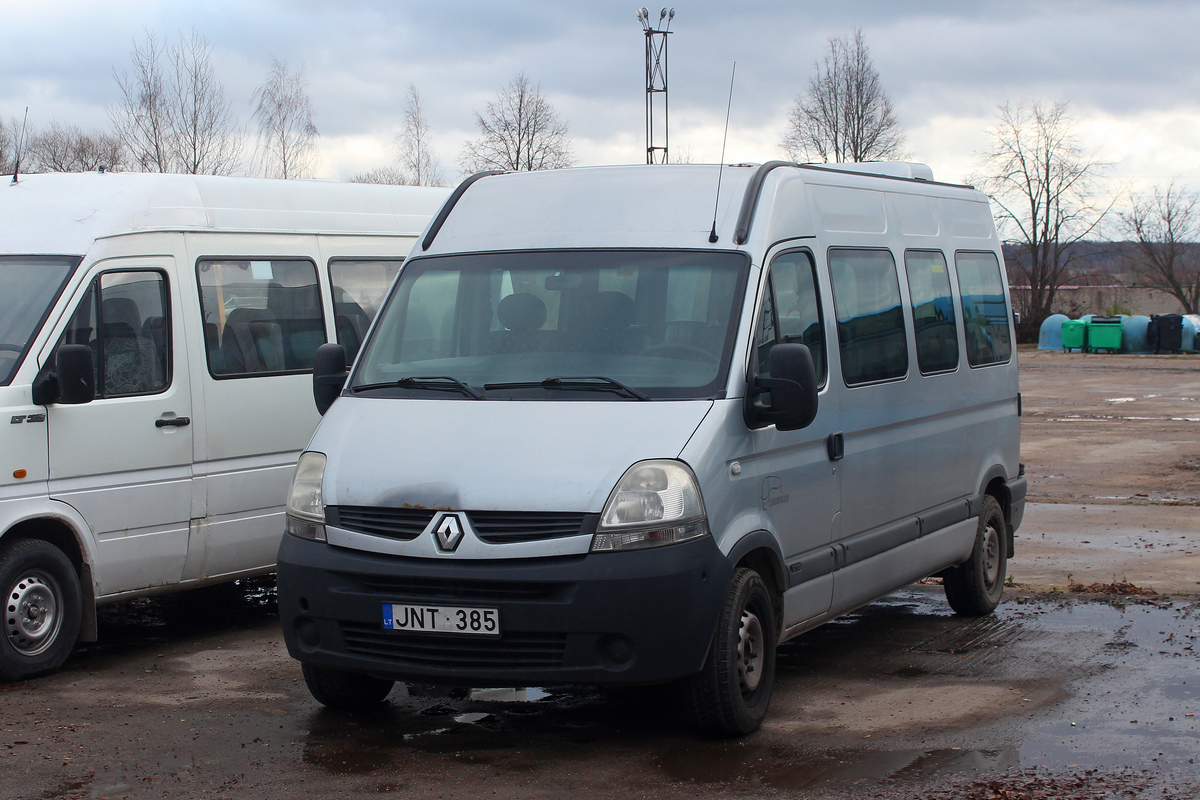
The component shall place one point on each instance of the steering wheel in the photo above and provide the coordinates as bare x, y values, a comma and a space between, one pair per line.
16, 348
685, 352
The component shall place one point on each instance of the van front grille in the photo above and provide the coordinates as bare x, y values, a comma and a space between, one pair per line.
404, 524
510, 651
493, 527
504, 527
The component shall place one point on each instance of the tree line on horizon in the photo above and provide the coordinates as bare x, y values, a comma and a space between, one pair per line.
1047, 188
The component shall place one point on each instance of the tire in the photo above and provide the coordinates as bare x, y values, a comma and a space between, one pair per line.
730, 695
349, 691
974, 588
43, 608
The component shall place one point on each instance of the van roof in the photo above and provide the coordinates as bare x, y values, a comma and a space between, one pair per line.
658, 206
63, 213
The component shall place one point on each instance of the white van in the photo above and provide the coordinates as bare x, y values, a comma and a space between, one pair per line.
157, 335
611, 426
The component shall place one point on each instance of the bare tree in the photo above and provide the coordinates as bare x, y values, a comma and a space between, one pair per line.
845, 114
1165, 228
287, 137
9, 131
391, 175
520, 132
417, 157
1045, 184
205, 137
69, 148
174, 117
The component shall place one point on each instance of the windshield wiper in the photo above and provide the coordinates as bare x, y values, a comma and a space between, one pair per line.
589, 383
435, 382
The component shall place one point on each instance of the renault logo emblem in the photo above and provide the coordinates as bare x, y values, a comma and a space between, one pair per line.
449, 533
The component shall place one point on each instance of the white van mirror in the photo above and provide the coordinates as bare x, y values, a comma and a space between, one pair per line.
329, 375
792, 383
76, 374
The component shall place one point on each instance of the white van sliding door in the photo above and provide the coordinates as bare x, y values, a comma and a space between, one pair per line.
124, 460
263, 323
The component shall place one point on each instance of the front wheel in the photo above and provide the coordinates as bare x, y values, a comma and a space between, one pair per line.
43, 608
345, 690
730, 695
974, 588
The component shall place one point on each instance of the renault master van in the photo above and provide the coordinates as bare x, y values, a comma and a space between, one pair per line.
617, 426
157, 335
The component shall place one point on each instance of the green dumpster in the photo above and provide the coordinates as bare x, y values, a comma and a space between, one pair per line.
1074, 335
1104, 333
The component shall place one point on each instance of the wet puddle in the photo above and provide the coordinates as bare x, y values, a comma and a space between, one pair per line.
1091, 685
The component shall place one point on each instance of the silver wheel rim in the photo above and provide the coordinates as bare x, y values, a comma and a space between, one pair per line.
750, 651
991, 557
32, 613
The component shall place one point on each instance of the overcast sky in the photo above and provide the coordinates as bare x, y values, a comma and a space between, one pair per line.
1129, 68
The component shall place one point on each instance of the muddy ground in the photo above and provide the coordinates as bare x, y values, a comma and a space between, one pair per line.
1061, 694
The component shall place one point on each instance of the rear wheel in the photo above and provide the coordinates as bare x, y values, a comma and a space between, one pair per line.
974, 588
351, 691
730, 695
43, 608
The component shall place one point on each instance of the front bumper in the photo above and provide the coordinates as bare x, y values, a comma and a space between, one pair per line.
643, 616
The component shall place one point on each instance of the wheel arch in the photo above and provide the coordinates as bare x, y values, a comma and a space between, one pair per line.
759, 551
63, 534
995, 484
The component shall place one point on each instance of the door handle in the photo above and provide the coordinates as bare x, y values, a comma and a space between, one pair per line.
173, 422
835, 446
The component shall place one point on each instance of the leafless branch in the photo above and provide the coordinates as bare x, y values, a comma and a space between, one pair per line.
1165, 227
520, 131
845, 115
287, 137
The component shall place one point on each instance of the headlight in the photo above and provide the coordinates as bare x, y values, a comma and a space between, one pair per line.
305, 505
655, 503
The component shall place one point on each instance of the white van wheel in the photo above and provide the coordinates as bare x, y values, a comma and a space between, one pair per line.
974, 588
730, 695
349, 691
42, 609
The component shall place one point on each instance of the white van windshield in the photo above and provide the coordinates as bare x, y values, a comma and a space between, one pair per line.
29, 285
558, 324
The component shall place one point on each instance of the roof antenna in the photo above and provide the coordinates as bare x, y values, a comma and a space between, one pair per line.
20, 139
712, 236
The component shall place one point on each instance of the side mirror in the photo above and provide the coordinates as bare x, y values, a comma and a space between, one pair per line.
792, 383
76, 374
329, 375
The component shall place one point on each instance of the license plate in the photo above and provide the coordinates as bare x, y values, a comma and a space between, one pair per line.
441, 619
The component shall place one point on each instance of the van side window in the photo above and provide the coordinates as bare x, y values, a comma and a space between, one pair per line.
123, 319
796, 308
985, 312
866, 293
932, 310
358, 290
260, 316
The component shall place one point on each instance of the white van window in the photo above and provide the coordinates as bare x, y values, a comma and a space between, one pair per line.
260, 316
932, 311
512, 324
124, 319
866, 293
358, 289
31, 285
985, 312
792, 311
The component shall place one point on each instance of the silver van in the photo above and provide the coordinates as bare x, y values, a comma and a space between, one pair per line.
616, 426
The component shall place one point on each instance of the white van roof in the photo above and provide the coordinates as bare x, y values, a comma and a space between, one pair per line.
658, 206
63, 213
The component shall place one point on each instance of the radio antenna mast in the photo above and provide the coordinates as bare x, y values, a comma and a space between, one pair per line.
712, 236
656, 83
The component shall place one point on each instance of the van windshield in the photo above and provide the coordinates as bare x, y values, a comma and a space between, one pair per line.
29, 285
574, 324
